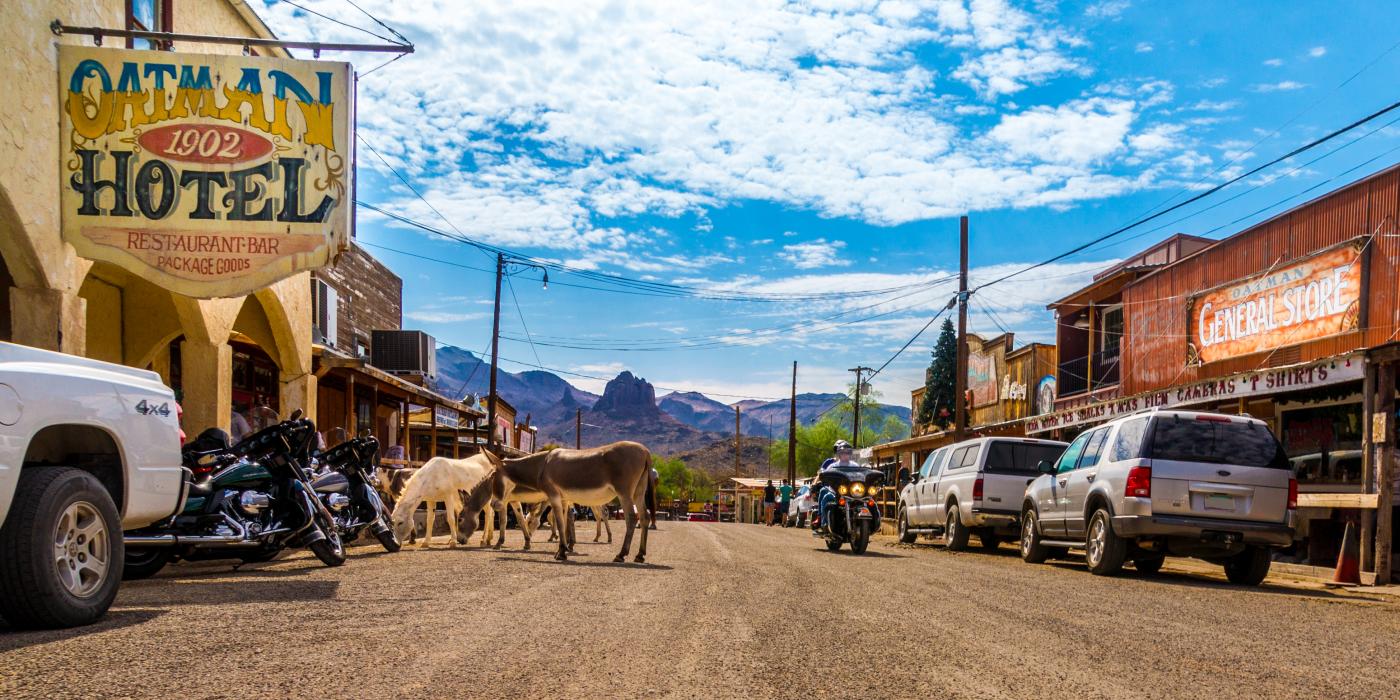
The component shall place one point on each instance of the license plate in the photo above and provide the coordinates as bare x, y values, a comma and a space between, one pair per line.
866, 512
1220, 501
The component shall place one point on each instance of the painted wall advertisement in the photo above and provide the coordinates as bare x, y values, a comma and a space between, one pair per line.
209, 175
1313, 298
1247, 384
982, 378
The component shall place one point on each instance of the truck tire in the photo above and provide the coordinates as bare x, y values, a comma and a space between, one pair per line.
905, 535
1248, 568
955, 534
145, 562
1032, 551
61, 550
1104, 551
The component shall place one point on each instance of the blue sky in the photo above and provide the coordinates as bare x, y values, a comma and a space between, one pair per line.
796, 148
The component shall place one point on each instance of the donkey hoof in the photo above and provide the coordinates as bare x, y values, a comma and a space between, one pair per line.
640, 559
619, 559
561, 557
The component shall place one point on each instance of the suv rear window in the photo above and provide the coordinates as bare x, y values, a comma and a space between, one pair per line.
1215, 442
1019, 457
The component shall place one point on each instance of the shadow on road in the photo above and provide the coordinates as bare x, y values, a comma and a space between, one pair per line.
605, 564
236, 589
117, 618
868, 553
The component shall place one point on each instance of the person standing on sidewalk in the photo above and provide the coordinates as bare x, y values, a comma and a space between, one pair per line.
770, 495
784, 502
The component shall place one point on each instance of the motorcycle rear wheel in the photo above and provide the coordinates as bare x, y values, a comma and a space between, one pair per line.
145, 562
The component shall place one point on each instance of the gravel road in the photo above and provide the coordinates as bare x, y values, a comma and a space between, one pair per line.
720, 611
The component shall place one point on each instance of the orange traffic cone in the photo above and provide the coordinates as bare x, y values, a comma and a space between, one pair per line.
1348, 562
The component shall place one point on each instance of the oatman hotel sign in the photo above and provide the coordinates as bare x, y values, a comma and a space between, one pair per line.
1311, 298
209, 175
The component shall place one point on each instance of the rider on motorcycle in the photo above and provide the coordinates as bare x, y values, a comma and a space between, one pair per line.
844, 458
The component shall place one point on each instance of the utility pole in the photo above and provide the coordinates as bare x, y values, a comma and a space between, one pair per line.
578, 428
496, 338
495, 353
792, 429
960, 409
855, 424
737, 441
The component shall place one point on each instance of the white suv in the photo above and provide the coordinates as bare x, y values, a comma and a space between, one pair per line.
1161, 482
972, 487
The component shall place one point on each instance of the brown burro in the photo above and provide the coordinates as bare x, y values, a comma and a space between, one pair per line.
592, 477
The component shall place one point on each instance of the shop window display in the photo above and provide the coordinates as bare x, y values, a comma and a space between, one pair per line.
1324, 444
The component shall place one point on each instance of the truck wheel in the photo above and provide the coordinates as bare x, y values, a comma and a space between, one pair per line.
145, 562
1032, 551
1103, 550
61, 550
1149, 566
905, 535
954, 533
1248, 568
990, 541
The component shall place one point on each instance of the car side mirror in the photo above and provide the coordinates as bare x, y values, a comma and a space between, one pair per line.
1045, 467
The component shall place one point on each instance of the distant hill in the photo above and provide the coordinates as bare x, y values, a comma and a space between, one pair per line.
717, 458
679, 420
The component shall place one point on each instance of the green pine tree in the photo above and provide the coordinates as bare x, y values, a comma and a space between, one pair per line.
937, 406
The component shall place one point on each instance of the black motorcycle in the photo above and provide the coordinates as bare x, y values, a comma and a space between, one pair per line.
846, 507
346, 486
247, 501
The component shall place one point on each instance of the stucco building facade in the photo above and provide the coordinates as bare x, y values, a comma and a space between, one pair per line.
256, 348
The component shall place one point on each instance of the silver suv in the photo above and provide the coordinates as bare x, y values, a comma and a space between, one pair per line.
1160, 482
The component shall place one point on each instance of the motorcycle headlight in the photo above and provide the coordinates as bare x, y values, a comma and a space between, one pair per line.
857, 489
842, 489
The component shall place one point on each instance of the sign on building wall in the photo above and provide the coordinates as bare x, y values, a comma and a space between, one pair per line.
982, 378
209, 175
1313, 298
1238, 386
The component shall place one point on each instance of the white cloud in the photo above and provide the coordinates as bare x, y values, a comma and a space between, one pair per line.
818, 253
428, 316
1317, 51
1076, 133
1274, 62
1158, 139
1282, 86
531, 123
1211, 83
1143, 47
1107, 9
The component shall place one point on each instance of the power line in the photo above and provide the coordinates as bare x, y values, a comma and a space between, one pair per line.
347, 25
1305, 147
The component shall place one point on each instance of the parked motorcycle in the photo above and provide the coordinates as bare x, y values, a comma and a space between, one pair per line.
851, 513
247, 501
346, 487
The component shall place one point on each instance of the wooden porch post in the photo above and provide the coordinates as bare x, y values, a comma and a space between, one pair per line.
351, 420
457, 438
1384, 434
374, 410
432, 416
1368, 465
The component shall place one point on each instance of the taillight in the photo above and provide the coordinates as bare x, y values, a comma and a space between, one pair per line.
1213, 419
977, 490
1139, 482
1292, 494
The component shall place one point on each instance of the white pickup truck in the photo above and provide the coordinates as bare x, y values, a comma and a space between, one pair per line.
972, 487
87, 449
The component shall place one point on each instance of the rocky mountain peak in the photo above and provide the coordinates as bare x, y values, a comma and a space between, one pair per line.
629, 395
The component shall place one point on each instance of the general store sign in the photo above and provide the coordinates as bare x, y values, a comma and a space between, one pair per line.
1313, 298
1271, 381
209, 175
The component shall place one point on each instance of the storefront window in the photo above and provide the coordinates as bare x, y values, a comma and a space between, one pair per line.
1324, 444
